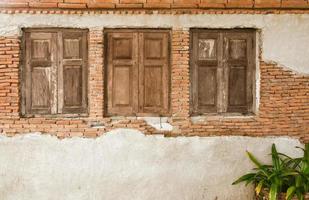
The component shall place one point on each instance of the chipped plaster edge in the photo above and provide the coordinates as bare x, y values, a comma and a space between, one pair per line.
37, 134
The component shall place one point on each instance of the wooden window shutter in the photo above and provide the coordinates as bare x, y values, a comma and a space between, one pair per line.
222, 71
138, 72
40, 73
238, 53
154, 72
205, 61
122, 73
72, 71
55, 71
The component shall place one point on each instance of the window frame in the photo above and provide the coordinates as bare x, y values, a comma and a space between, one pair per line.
252, 61
169, 70
56, 30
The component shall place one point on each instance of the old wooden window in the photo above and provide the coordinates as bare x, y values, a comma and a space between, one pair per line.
222, 71
55, 71
137, 72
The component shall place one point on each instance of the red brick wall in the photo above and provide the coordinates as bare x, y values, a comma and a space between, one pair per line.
9, 79
154, 4
283, 109
180, 73
96, 70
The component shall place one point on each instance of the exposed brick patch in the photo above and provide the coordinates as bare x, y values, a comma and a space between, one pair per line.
9, 77
50, 1
72, 5
283, 109
129, 5
267, 4
294, 4
212, 4
184, 5
105, 1
180, 73
157, 5
101, 5
13, 5
240, 4
42, 5
96, 73
76, 1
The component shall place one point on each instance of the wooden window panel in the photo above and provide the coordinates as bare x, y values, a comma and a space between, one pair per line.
55, 73
40, 73
239, 55
139, 65
122, 73
204, 71
222, 80
153, 72
72, 71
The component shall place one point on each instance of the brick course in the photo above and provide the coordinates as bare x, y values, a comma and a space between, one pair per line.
283, 108
153, 4
158, 10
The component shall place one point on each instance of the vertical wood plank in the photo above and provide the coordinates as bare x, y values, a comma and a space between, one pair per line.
224, 76
135, 90
54, 50
109, 73
27, 75
85, 70
141, 72
194, 69
250, 72
166, 73
60, 72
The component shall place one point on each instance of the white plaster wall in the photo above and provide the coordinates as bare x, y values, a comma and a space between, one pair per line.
285, 37
127, 165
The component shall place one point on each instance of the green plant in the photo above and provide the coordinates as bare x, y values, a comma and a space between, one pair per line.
300, 184
285, 174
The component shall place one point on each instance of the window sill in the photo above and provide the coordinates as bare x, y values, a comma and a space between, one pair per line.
138, 115
216, 116
55, 116
159, 123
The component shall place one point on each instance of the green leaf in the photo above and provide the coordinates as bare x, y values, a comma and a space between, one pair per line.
299, 195
275, 157
253, 159
296, 162
284, 174
298, 181
259, 187
290, 193
245, 177
273, 192
282, 154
